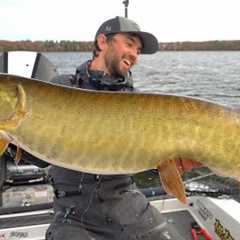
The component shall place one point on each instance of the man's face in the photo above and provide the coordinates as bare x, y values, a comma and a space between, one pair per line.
121, 54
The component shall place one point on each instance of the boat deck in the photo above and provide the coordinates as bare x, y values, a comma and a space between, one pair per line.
182, 221
37, 221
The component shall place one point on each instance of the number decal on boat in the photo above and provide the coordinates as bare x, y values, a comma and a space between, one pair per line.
223, 233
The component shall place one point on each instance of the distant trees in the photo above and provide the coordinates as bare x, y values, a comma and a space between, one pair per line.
67, 46
45, 46
202, 46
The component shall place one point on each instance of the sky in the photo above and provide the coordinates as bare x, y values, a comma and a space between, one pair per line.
168, 20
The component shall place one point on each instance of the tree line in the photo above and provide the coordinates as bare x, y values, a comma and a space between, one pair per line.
202, 46
85, 46
46, 46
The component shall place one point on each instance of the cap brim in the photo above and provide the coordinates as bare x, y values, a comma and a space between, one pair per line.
149, 41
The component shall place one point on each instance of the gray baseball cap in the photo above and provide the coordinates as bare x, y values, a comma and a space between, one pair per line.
125, 25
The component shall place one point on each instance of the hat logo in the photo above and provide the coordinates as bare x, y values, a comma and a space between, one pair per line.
108, 28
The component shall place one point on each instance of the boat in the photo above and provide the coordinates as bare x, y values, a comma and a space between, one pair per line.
212, 210
27, 64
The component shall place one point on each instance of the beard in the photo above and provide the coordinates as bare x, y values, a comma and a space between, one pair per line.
114, 64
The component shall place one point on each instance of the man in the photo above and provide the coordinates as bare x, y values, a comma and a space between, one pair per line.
89, 206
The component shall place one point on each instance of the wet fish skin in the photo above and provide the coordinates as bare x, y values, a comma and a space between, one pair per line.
121, 133
148, 127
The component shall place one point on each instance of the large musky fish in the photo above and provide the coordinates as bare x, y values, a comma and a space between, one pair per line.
117, 133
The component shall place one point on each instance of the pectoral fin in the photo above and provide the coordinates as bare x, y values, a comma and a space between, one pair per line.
18, 155
172, 180
4, 141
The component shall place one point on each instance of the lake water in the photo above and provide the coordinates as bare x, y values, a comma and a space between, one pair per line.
210, 75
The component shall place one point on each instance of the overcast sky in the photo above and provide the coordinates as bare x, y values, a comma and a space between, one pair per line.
169, 20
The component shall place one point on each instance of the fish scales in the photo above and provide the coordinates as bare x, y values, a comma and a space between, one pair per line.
121, 133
